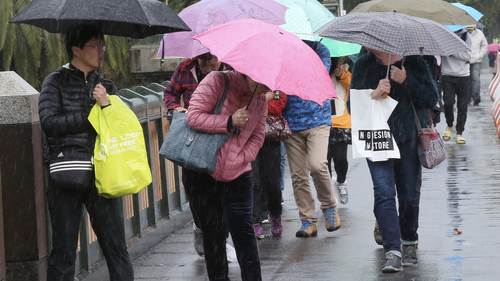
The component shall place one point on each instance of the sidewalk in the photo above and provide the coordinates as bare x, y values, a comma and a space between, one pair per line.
463, 192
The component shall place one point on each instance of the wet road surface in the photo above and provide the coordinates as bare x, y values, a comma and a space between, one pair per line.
463, 192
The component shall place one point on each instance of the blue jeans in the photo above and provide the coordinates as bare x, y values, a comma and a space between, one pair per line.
217, 205
475, 75
405, 174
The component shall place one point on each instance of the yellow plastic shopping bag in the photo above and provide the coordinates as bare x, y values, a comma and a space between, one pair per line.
120, 158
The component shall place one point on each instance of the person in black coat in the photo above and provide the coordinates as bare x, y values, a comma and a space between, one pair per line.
410, 82
66, 98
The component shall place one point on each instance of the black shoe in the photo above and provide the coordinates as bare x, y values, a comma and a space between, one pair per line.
477, 100
410, 255
392, 264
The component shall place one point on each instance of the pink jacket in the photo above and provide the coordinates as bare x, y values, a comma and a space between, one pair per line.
235, 156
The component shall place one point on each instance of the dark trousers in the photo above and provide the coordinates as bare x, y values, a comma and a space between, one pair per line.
401, 178
337, 152
65, 207
217, 205
267, 175
459, 87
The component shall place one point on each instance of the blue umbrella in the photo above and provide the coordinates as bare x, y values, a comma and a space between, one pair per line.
470, 10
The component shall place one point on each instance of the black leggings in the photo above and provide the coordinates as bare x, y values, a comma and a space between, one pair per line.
337, 152
267, 174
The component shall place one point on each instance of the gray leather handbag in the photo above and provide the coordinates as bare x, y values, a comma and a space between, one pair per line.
191, 149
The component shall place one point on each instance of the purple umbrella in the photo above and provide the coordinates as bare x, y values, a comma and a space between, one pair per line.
208, 13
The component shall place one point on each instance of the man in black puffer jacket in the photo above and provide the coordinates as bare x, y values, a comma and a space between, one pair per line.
66, 99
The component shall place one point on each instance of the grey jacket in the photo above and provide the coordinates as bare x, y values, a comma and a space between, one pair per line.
458, 65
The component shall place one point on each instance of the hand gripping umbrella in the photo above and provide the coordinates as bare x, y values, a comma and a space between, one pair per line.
395, 33
271, 56
128, 18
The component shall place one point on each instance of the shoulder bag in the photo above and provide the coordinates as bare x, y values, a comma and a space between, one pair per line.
431, 150
191, 149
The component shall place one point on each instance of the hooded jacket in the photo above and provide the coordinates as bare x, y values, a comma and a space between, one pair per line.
458, 65
235, 156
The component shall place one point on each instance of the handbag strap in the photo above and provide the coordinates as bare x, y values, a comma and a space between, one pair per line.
417, 122
218, 108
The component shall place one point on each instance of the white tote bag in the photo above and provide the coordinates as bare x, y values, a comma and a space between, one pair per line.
371, 136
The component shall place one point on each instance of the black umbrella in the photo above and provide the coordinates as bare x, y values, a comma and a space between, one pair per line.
129, 18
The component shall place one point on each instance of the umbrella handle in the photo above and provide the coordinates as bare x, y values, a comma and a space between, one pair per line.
237, 130
384, 95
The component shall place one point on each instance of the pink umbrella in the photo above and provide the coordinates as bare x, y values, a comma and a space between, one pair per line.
493, 48
208, 13
271, 56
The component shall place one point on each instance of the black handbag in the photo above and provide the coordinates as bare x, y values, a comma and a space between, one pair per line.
71, 167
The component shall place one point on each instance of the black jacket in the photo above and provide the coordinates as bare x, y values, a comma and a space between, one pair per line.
64, 105
419, 88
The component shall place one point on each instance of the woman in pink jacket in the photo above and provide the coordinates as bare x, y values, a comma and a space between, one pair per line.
226, 194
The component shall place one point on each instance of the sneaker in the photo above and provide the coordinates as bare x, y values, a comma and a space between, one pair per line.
282, 201
332, 219
308, 229
259, 231
410, 255
377, 234
276, 227
230, 253
342, 191
266, 220
198, 241
392, 264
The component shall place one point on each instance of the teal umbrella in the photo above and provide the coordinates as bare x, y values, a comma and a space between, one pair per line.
339, 48
304, 17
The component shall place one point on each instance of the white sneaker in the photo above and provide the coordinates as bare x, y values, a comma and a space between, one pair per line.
231, 253
342, 191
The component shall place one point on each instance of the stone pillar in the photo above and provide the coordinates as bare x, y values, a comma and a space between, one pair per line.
22, 181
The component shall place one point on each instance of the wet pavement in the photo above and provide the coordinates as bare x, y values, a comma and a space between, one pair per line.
463, 192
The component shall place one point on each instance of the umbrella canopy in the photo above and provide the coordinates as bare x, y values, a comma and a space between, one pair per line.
436, 10
493, 48
129, 18
470, 10
271, 56
395, 33
208, 13
303, 17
